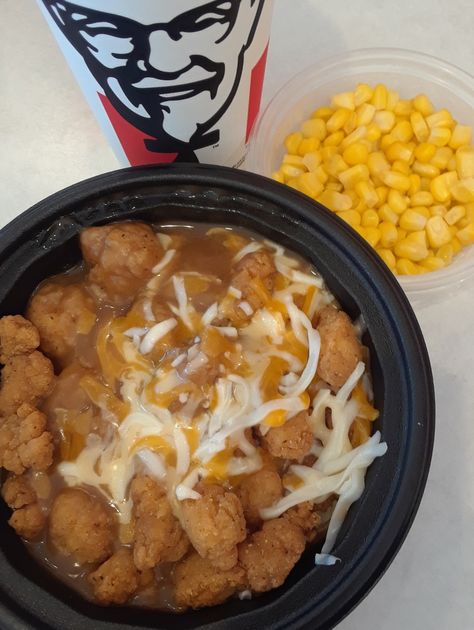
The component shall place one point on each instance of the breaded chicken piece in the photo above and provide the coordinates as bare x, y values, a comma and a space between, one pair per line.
81, 526
199, 583
340, 348
61, 313
269, 554
17, 492
24, 441
259, 490
292, 440
251, 272
28, 521
215, 524
307, 517
17, 336
158, 535
26, 378
116, 580
121, 257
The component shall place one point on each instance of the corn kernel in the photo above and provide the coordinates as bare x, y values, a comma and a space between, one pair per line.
465, 162
406, 267
377, 163
392, 99
388, 234
350, 124
462, 134
386, 141
403, 131
387, 214
399, 151
290, 171
363, 93
399, 181
335, 165
370, 218
371, 235
293, 183
442, 118
440, 186
292, 142
463, 191
308, 145
379, 98
455, 214
419, 126
402, 234
310, 185
423, 105
466, 235
438, 210
356, 136
334, 139
365, 114
422, 210
456, 245
314, 128
321, 174
323, 112
344, 100
411, 250
355, 153
418, 237
437, 231
425, 183
400, 166
442, 157
338, 120
388, 257
336, 201
385, 120
421, 198
337, 186
415, 183
411, 220
312, 160
404, 107
424, 152
350, 216
373, 132
451, 165
355, 174
425, 170
294, 160
382, 192
367, 193
397, 202
278, 177
432, 263
439, 136
446, 253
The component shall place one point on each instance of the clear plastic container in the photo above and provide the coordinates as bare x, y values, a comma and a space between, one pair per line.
407, 72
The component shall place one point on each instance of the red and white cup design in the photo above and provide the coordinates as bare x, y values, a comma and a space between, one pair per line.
169, 80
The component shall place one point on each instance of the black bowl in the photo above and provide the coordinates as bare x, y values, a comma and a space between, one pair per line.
44, 241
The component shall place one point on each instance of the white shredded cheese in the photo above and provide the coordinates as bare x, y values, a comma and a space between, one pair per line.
157, 332
234, 292
253, 246
246, 308
167, 258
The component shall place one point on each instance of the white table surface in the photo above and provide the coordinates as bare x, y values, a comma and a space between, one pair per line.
49, 139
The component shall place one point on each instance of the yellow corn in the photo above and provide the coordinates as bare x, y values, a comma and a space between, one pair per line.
455, 214
344, 100
356, 153
335, 164
350, 124
438, 210
336, 201
290, 171
425, 184
437, 231
446, 253
432, 263
466, 235
462, 135
406, 267
411, 220
382, 193
312, 160
386, 141
310, 185
314, 128
442, 157
387, 214
399, 151
335, 186
399, 181
415, 183
465, 162
385, 120
292, 142
388, 234
442, 118
456, 245
278, 177
356, 136
308, 145
351, 176
403, 131
411, 250
440, 186
334, 139
421, 198
373, 132
463, 191
419, 126
377, 163
392, 99
400, 166
323, 112
338, 120
397, 202
451, 165
402, 234
370, 218
422, 210
423, 105
350, 216
387, 256
365, 114
294, 160
371, 235
367, 193
404, 107
425, 170
363, 93
439, 136
379, 98
424, 152
321, 173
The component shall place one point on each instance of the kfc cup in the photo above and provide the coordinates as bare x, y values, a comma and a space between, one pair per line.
168, 80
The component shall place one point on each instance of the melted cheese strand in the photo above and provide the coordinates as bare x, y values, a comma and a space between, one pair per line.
253, 246
183, 310
346, 390
167, 258
157, 332
309, 372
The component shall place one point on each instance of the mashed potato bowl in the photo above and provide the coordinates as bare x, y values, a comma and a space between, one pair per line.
44, 241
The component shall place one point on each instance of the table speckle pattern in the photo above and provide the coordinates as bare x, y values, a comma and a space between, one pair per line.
49, 139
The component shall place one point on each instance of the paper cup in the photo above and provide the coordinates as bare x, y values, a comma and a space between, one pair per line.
168, 80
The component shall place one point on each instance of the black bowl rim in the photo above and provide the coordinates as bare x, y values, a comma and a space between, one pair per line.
419, 450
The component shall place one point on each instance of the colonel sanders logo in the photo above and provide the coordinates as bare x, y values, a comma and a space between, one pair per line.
174, 79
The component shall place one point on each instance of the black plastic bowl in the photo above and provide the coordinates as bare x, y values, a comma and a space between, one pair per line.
44, 241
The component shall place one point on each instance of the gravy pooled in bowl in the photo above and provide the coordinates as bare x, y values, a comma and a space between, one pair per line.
182, 415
